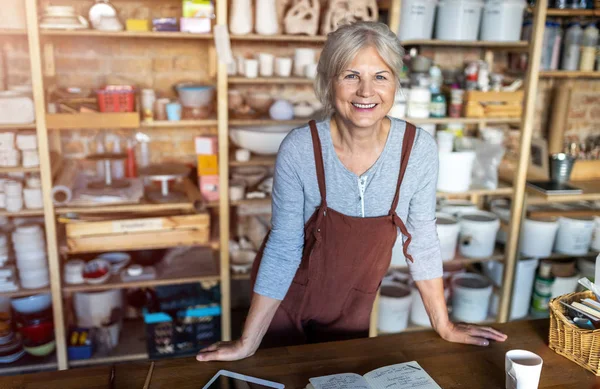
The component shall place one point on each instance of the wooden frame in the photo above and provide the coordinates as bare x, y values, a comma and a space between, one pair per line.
539, 156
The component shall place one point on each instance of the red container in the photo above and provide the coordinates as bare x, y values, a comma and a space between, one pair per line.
116, 99
38, 333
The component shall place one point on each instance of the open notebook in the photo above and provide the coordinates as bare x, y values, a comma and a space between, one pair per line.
401, 376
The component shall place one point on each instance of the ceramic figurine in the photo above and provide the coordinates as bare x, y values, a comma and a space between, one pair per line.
269, 23
240, 18
303, 17
348, 11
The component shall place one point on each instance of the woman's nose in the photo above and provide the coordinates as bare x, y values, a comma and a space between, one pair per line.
365, 89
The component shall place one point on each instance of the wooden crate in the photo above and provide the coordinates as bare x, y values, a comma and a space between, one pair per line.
586, 170
138, 233
494, 104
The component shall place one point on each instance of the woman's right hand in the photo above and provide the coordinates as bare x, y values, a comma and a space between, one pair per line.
226, 351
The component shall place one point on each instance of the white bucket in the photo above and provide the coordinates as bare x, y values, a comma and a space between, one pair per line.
458, 20
574, 235
564, 285
478, 234
454, 173
448, 228
596, 237
394, 307
416, 19
458, 207
94, 308
501, 20
537, 237
470, 297
522, 288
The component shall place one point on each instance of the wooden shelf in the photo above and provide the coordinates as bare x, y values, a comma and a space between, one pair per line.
569, 12
30, 364
25, 292
12, 31
23, 212
559, 256
133, 208
240, 277
115, 282
569, 74
180, 123
126, 34
279, 38
29, 126
257, 160
591, 192
271, 80
19, 169
131, 347
477, 44
502, 190
464, 120
92, 121
267, 122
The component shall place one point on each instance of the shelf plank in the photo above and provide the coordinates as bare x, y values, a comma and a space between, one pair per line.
131, 347
25, 292
478, 44
127, 34
28, 126
13, 31
503, 189
279, 38
179, 124
240, 276
267, 122
30, 364
92, 121
569, 12
23, 212
182, 206
591, 192
19, 169
568, 74
257, 160
271, 80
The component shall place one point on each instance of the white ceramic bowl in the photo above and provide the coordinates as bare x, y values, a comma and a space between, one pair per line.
31, 304
249, 175
117, 261
195, 95
260, 140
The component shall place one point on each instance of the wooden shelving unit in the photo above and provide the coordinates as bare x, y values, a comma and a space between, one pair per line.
255, 161
266, 122
591, 192
127, 208
568, 74
30, 364
126, 34
555, 12
115, 282
23, 213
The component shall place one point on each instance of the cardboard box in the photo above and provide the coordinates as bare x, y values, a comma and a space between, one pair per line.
209, 187
206, 150
198, 9
206, 145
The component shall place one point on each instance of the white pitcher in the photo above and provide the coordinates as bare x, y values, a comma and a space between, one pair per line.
240, 18
269, 24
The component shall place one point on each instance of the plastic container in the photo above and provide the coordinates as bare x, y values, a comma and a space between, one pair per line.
574, 235
564, 285
478, 234
394, 307
455, 171
501, 20
572, 47
116, 100
447, 228
419, 99
470, 297
551, 40
537, 237
416, 19
458, 20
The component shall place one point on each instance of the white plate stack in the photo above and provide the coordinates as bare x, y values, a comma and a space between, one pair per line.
30, 250
7, 273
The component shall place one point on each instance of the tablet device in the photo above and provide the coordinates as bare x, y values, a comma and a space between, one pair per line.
226, 379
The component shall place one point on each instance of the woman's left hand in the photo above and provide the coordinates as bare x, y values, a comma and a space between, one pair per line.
470, 334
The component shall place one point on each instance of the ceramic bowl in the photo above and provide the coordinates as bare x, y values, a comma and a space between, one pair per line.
260, 102
192, 95
250, 175
117, 261
234, 99
32, 304
96, 271
38, 333
263, 141
41, 350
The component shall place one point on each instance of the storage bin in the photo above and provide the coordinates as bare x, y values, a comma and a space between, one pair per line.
537, 237
394, 307
574, 235
470, 297
501, 20
416, 19
478, 234
447, 229
455, 170
458, 20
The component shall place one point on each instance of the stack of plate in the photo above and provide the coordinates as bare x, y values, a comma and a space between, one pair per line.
11, 346
30, 250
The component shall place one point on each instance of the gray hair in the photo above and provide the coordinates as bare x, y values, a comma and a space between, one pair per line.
341, 47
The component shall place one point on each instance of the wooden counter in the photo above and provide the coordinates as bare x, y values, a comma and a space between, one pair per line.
450, 365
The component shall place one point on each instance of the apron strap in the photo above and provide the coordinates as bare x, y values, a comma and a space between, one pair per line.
318, 160
407, 144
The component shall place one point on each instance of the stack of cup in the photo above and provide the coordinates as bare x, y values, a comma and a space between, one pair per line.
32, 193
30, 249
3, 250
14, 195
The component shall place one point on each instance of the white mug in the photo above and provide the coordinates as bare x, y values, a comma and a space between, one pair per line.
302, 58
266, 64
251, 68
523, 369
310, 71
283, 67
14, 203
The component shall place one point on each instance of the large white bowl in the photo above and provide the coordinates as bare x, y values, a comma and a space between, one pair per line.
260, 140
31, 304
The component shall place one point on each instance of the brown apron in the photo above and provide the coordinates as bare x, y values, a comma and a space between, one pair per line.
343, 263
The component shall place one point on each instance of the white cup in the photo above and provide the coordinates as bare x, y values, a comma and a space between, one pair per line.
14, 203
445, 141
236, 193
302, 58
251, 68
13, 188
240, 64
266, 64
310, 71
523, 369
283, 67
242, 155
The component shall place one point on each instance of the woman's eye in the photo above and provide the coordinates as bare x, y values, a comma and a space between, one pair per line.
380, 77
351, 76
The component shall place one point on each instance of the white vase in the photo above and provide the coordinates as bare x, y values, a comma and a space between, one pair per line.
240, 18
269, 24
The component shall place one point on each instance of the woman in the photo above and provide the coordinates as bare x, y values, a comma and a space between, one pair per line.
343, 188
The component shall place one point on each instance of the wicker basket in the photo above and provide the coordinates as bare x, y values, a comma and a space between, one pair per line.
566, 339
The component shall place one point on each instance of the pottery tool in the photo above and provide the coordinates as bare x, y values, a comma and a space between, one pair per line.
149, 376
164, 173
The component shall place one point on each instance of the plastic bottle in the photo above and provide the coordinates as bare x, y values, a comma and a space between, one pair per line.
542, 290
556, 47
131, 163
588, 51
118, 167
438, 106
572, 46
436, 79
100, 150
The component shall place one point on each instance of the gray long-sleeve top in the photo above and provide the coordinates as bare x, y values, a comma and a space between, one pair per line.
296, 197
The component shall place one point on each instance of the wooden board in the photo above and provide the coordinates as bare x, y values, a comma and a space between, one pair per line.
126, 34
67, 121
271, 80
568, 74
591, 192
19, 169
279, 38
179, 123
29, 126
586, 170
479, 44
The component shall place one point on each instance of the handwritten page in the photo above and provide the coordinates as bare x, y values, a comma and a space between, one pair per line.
407, 375
340, 381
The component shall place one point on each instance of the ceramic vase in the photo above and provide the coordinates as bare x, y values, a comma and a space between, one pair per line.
240, 18
269, 25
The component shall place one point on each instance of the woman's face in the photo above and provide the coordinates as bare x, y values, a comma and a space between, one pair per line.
364, 92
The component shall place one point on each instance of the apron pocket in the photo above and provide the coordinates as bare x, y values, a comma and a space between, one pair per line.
356, 313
